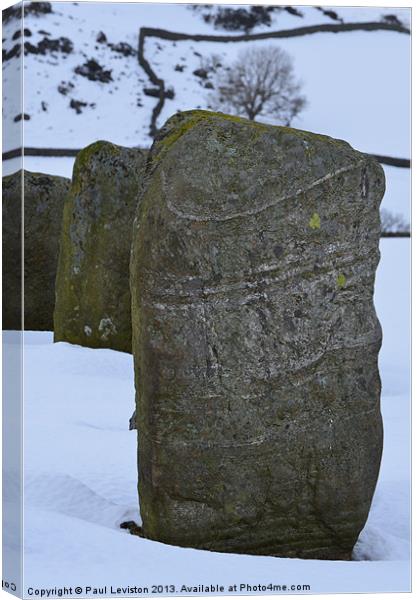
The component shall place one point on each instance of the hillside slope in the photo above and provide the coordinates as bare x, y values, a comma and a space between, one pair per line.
83, 80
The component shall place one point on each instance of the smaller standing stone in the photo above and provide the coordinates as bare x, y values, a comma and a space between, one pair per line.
43, 202
92, 288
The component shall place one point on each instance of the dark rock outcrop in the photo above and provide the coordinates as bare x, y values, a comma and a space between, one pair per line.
43, 202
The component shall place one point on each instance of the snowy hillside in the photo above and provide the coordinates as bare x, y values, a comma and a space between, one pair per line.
83, 80
69, 105
80, 473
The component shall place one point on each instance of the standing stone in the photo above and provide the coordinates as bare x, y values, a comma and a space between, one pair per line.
43, 202
92, 288
255, 338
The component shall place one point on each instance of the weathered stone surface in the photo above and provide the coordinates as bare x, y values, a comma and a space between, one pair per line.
43, 203
132, 421
92, 288
255, 338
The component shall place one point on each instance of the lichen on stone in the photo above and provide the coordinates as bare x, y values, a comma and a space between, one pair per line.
242, 348
341, 280
315, 221
93, 272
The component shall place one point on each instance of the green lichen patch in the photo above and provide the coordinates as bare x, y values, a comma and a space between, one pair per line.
181, 123
341, 281
315, 221
99, 150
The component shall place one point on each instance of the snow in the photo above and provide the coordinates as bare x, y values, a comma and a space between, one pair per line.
356, 83
345, 81
80, 473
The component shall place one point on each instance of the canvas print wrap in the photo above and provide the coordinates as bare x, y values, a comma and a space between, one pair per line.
206, 294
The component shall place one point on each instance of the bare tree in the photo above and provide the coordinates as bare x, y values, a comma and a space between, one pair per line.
260, 83
393, 223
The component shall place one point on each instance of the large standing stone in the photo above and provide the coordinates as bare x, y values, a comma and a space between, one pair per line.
92, 288
43, 202
255, 338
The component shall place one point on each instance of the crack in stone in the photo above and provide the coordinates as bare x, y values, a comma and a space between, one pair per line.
254, 211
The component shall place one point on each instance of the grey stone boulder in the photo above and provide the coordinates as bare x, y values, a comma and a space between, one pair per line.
92, 288
43, 202
255, 338
132, 421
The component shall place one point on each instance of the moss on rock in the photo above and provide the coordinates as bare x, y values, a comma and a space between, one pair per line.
93, 297
257, 385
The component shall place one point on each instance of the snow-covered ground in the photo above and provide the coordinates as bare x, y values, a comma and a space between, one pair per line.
80, 473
